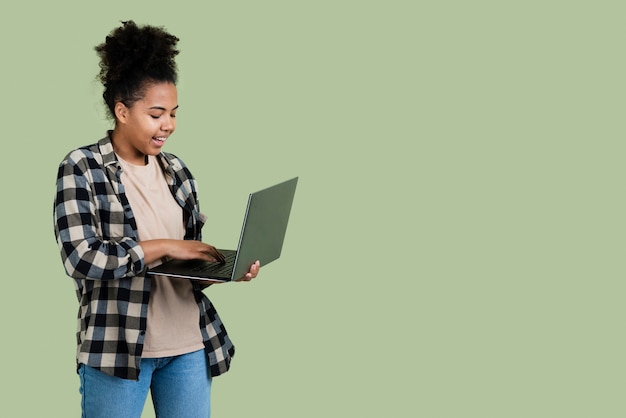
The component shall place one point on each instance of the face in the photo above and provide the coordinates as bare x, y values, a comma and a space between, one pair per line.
143, 128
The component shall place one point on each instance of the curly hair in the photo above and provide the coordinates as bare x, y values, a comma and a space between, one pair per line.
131, 58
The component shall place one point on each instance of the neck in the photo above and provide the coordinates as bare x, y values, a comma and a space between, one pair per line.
125, 150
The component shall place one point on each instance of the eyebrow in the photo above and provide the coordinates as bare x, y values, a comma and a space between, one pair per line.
161, 108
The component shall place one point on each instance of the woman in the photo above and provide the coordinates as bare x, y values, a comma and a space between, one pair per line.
123, 205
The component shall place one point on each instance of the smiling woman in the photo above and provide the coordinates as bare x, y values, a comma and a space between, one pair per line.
123, 205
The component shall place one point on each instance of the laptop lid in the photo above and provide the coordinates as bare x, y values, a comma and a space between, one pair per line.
262, 236
264, 227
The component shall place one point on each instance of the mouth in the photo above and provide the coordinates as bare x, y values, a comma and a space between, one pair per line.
159, 140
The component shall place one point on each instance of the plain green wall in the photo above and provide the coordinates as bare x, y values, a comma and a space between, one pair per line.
456, 244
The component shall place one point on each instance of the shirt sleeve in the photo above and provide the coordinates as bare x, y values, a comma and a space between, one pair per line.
90, 226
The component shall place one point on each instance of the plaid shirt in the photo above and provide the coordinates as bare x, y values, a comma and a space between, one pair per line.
97, 235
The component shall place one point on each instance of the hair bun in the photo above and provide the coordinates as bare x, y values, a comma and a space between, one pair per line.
132, 55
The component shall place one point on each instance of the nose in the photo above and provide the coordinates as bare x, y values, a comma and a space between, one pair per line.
169, 124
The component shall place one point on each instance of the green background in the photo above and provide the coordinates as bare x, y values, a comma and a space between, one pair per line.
456, 243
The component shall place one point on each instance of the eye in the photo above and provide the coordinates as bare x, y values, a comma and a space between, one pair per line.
155, 116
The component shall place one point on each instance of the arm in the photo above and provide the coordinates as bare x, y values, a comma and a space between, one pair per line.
93, 238
179, 249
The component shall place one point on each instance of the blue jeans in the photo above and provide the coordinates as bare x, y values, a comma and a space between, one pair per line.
180, 387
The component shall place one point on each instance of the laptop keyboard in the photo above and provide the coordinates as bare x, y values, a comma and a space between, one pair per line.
225, 268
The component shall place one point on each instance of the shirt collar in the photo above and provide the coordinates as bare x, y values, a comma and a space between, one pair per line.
109, 158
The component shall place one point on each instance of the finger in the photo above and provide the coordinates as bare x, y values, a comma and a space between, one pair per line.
217, 255
206, 257
207, 254
246, 278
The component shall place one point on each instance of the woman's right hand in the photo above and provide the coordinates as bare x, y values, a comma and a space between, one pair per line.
195, 250
179, 250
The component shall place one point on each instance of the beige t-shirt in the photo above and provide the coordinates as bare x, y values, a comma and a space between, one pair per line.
173, 314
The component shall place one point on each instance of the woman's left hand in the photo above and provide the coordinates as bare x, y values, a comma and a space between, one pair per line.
254, 271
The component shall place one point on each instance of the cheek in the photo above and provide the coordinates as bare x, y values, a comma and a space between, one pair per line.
151, 126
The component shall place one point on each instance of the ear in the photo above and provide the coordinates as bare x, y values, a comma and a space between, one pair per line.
121, 112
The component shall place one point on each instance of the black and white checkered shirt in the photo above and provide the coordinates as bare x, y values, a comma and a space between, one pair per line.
97, 235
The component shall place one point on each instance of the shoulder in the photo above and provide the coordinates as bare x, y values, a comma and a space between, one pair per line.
177, 165
184, 181
174, 160
89, 154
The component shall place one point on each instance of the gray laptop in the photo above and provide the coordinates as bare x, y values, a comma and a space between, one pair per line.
262, 236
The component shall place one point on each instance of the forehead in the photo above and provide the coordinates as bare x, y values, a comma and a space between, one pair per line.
162, 95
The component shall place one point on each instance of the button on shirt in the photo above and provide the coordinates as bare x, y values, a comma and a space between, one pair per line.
98, 239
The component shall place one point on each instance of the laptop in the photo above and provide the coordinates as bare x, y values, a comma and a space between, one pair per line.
261, 238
